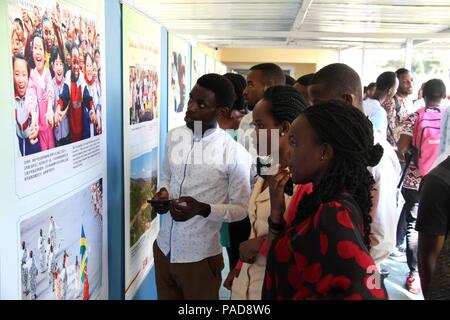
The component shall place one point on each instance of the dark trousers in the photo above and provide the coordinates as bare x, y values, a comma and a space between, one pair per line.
239, 232
199, 280
26, 148
408, 226
401, 225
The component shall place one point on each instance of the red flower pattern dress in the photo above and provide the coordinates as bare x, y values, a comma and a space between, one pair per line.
323, 257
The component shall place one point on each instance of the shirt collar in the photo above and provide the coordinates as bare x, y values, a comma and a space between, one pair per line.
208, 135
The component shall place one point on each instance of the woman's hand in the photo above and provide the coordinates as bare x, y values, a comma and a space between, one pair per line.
277, 183
228, 283
249, 249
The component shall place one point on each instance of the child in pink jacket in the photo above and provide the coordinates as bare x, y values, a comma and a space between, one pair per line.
40, 93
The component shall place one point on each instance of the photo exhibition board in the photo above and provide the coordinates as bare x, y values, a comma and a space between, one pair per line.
198, 65
178, 80
53, 124
220, 68
141, 114
210, 64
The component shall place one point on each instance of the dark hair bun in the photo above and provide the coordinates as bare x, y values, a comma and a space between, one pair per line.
375, 154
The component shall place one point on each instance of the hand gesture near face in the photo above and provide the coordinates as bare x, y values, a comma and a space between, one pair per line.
277, 184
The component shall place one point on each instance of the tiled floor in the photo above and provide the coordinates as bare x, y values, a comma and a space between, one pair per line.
395, 282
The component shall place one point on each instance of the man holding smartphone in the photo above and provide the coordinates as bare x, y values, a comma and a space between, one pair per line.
205, 181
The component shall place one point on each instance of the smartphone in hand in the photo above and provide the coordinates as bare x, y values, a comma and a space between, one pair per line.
159, 202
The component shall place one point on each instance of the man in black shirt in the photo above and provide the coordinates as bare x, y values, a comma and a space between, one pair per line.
433, 224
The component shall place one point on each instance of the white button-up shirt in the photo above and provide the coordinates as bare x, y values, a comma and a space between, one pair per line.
384, 202
213, 169
377, 115
246, 136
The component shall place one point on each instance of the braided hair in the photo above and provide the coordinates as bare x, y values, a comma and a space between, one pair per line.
286, 103
349, 132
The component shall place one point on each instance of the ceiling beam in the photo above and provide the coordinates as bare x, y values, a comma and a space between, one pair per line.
199, 34
301, 15
300, 18
307, 44
418, 43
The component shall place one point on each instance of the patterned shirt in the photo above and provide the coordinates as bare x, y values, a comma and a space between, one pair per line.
397, 110
413, 177
323, 257
213, 169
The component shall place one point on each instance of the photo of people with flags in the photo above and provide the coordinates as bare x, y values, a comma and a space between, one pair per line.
61, 249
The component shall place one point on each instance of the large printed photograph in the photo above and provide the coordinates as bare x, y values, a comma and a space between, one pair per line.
143, 183
61, 249
179, 77
144, 94
56, 63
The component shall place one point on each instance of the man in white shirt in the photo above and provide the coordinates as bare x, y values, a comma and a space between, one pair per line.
339, 81
206, 176
386, 87
259, 78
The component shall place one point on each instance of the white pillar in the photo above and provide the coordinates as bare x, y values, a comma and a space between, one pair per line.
408, 54
363, 62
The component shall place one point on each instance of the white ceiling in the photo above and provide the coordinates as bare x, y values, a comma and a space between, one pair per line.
336, 24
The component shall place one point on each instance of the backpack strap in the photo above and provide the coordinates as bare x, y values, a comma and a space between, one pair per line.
408, 159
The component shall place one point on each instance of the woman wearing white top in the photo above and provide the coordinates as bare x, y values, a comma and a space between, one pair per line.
272, 117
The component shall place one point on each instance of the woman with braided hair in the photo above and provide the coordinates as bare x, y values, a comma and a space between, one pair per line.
324, 252
273, 115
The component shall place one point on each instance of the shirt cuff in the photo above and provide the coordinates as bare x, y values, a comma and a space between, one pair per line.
217, 212
227, 212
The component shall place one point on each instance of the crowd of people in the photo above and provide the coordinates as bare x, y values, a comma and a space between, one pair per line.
51, 263
97, 199
322, 220
57, 85
48, 266
144, 94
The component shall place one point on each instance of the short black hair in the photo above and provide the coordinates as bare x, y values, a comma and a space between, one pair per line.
340, 79
401, 71
54, 53
19, 22
289, 80
88, 54
73, 47
434, 90
239, 84
21, 56
371, 86
286, 103
386, 81
272, 74
305, 80
34, 35
68, 46
221, 87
